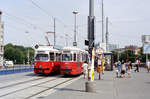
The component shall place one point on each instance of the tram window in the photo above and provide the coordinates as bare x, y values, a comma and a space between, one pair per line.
67, 57
74, 57
52, 58
41, 57
78, 57
58, 57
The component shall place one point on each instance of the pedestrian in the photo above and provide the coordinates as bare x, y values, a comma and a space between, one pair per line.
148, 65
99, 68
129, 71
123, 69
130, 63
137, 65
118, 71
85, 68
126, 65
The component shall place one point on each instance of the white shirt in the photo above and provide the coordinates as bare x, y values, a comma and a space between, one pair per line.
148, 64
123, 67
85, 66
99, 62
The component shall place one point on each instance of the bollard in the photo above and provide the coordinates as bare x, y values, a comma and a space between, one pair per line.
90, 86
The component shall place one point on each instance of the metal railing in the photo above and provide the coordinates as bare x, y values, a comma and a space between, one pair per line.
16, 69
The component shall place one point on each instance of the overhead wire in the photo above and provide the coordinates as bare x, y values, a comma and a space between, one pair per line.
46, 12
23, 21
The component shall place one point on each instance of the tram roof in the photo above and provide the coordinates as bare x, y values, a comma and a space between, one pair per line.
47, 48
73, 49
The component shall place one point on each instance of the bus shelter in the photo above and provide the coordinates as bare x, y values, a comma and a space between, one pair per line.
108, 61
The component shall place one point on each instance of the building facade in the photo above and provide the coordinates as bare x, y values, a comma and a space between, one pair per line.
1, 40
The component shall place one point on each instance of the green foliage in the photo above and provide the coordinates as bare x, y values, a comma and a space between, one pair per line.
131, 56
128, 55
115, 56
142, 56
18, 54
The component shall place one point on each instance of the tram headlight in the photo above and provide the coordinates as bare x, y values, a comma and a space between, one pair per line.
40, 66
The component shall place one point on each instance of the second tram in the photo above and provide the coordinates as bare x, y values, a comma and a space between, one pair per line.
72, 60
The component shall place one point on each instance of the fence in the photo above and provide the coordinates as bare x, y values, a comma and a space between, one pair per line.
16, 69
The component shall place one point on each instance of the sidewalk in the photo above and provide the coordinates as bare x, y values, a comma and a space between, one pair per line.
110, 87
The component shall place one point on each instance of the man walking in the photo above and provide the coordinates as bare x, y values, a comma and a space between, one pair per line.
137, 65
85, 68
148, 66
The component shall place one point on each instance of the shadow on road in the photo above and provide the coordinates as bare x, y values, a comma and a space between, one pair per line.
71, 76
147, 82
68, 89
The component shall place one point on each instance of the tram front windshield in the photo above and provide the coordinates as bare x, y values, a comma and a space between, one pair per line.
41, 57
67, 57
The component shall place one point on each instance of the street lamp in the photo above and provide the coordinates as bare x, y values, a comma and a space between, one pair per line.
66, 39
75, 39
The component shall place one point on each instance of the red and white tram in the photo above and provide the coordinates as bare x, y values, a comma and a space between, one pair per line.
47, 60
72, 60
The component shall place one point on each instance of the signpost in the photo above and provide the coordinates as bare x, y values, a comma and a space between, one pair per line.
90, 85
146, 43
146, 49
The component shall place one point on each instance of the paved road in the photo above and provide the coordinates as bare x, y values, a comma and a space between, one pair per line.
137, 87
32, 86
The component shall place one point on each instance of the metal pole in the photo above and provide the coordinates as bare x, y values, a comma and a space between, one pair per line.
28, 55
74, 27
146, 57
66, 39
91, 10
102, 22
90, 85
118, 53
91, 28
54, 32
107, 34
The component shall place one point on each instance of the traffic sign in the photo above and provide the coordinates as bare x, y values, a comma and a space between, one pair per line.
146, 49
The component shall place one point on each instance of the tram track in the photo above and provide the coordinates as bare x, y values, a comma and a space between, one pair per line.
11, 85
27, 87
29, 97
38, 89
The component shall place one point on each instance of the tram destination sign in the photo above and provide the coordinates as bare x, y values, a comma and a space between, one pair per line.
146, 49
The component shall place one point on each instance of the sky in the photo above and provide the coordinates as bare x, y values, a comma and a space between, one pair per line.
25, 24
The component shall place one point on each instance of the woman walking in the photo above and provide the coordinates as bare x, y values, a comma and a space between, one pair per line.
123, 69
148, 66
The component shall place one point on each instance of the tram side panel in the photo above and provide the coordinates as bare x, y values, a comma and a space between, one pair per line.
47, 67
71, 68
43, 67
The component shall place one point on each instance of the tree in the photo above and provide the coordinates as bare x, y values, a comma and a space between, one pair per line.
17, 54
115, 56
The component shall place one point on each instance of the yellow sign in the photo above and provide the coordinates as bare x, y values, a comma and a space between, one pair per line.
92, 65
103, 63
92, 75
